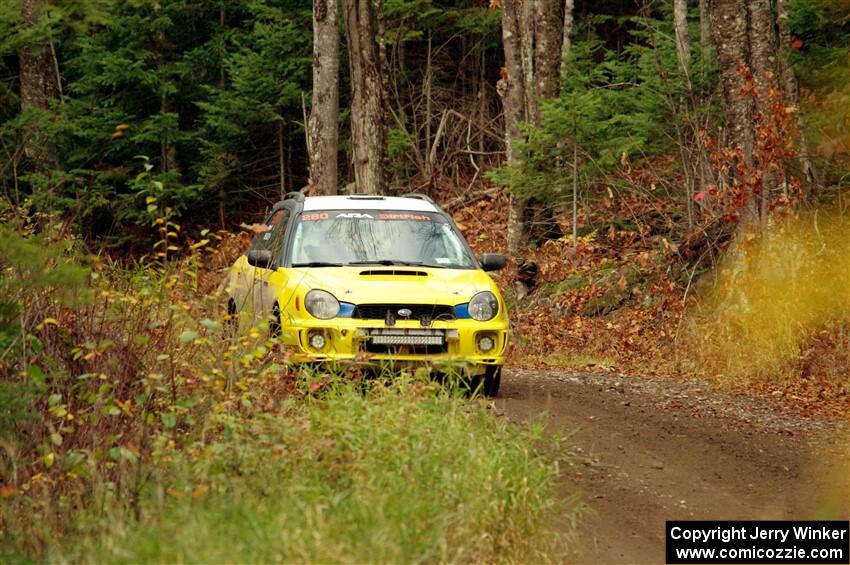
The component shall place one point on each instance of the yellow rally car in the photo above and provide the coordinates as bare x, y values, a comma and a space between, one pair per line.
369, 279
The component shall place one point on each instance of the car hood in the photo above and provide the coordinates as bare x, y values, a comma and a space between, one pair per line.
376, 284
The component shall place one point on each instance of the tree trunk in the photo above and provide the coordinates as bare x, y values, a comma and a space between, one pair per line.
704, 28
729, 29
532, 38
763, 51
324, 110
705, 95
566, 45
548, 46
368, 131
763, 48
567, 31
39, 85
525, 11
428, 80
747, 44
512, 89
689, 147
281, 161
788, 80
683, 42
168, 152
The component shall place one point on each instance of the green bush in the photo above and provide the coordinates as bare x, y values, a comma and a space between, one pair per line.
139, 426
401, 472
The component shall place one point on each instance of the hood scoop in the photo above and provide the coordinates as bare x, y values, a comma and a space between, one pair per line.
392, 273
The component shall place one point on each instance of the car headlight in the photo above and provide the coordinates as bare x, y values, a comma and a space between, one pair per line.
321, 304
483, 306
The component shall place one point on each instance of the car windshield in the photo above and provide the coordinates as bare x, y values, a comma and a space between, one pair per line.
339, 237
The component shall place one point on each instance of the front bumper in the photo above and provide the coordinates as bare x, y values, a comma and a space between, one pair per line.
350, 341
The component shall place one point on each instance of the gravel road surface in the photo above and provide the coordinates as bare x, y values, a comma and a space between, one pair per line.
650, 450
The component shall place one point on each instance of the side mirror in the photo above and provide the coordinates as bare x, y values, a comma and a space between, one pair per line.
493, 262
260, 258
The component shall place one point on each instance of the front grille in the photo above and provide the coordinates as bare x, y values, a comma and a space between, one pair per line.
405, 349
419, 311
404, 341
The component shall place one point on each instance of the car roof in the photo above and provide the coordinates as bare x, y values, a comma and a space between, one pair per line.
368, 202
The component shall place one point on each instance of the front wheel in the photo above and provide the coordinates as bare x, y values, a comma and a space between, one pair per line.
232, 318
491, 381
274, 323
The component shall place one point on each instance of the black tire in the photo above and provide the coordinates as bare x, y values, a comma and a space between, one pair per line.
274, 324
232, 320
492, 380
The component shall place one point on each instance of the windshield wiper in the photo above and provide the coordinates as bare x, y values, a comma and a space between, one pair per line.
390, 262
422, 264
376, 262
317, 264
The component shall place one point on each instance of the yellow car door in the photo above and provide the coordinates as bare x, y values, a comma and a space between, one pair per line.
263, 293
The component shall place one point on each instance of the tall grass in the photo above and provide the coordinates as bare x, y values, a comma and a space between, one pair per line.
150, 431
772, 293
398, 472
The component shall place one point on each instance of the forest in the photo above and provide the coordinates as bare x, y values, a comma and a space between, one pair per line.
670, 180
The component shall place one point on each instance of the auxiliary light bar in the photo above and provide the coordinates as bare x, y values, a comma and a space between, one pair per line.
407, 339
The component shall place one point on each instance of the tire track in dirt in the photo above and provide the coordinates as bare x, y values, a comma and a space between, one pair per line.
650, 450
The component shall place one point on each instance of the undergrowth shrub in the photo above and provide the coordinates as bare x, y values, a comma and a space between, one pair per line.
100, 361
137, 424
38, 275
772, 294
404, 472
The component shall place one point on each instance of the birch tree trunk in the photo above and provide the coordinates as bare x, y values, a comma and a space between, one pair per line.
368, 130
39, 85
324, 111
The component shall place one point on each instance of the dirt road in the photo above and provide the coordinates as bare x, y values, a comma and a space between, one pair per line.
652, 450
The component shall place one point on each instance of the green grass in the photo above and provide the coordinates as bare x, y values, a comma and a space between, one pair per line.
140, 428
405, 472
